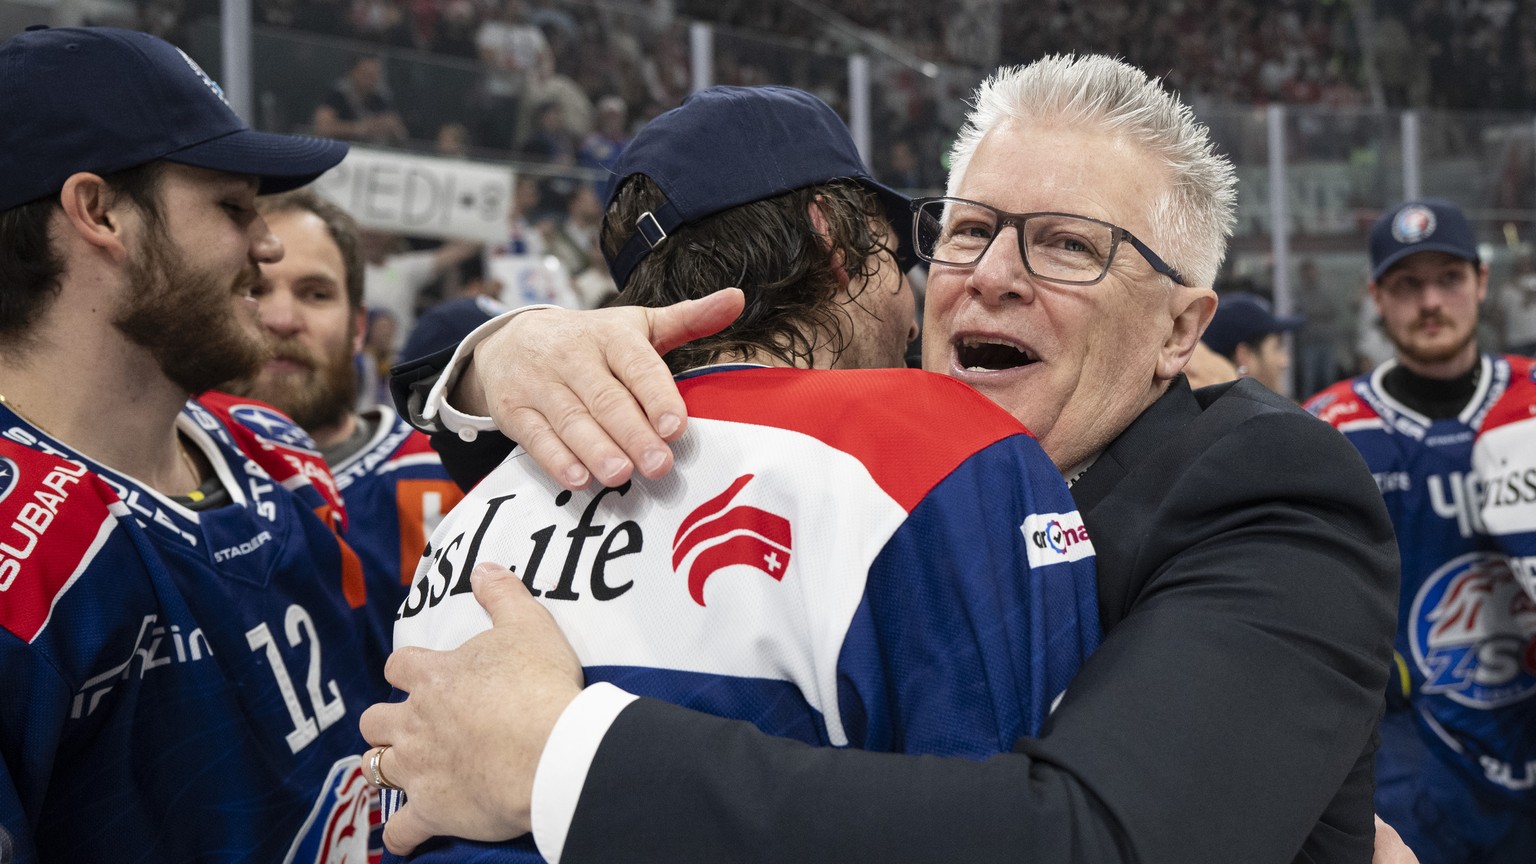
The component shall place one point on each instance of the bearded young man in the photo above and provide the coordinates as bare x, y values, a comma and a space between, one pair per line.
1450, 435
310, 305
178, 619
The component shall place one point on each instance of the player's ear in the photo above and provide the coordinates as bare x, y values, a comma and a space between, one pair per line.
819, 222
94, 213
1244, 357
359, 329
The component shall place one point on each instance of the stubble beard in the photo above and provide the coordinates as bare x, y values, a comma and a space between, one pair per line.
188, 320
316, 398
1428, 355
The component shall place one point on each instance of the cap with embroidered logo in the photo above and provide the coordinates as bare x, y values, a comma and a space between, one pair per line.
100, 99
729, 146
1425, 225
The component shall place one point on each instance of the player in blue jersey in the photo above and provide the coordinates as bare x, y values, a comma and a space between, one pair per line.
817, 564
177, 611
311, 306
1449, 433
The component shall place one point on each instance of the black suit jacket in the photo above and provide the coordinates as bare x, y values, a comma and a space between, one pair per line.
1248, 590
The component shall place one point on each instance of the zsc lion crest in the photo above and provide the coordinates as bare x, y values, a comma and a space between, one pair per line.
337, 830
1473, 633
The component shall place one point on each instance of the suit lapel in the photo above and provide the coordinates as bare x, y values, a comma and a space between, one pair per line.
1162, 420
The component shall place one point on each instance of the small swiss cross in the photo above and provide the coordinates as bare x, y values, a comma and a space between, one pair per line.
773, 562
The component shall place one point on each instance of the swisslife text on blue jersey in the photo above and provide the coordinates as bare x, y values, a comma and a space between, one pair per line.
1462, 494
880, 559
185, 684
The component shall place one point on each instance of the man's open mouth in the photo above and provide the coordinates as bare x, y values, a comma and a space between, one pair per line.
980, 354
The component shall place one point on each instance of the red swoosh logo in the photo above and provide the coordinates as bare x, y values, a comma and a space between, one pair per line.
739, 535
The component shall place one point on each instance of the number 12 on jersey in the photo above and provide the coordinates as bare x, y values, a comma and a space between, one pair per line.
305, 728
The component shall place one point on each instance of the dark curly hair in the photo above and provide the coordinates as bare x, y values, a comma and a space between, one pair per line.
771, 250
31, 267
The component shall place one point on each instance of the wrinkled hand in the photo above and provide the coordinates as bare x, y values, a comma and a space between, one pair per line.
466, 743
1390, 848
586, 393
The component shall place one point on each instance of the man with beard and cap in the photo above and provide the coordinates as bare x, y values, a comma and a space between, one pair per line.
311, 306
805, 566
1247, 572
179, 613
1450, 434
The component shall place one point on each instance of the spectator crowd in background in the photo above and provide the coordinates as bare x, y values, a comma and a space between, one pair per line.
1462, 54
558, 86
1442, 53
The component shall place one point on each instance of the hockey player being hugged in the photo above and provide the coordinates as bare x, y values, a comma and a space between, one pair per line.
177, 612
311, 307
819, 562
1450, 435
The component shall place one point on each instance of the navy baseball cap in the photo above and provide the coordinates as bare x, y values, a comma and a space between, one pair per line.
1244, 317
729, 146
448, 323
100, 99
1426, 225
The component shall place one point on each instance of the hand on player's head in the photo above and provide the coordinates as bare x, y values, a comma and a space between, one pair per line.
586, 393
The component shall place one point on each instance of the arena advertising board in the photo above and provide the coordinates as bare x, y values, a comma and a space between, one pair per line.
422, 196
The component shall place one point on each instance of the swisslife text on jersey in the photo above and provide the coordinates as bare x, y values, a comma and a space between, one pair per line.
186, 683
814, 553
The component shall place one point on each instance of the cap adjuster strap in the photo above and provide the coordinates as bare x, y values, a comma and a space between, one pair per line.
651, 229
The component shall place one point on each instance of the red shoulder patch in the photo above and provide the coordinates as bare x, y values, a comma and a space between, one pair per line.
277, 444
1519, 401
892, 433
285, 451
1339, 404
55, 515
415, 444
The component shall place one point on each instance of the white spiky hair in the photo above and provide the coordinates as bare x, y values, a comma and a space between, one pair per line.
1192, 222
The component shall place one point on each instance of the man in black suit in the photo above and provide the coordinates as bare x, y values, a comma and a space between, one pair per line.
1247, 568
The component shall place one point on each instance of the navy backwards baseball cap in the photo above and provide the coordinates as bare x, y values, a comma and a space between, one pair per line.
729, 146
1243, 317
100, 99
1426, 225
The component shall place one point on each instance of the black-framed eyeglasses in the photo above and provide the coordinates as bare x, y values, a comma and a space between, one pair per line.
1056, 247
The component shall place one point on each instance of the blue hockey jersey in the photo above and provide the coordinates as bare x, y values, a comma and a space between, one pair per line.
1462, 494
396, 492
184, 684
880, 559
